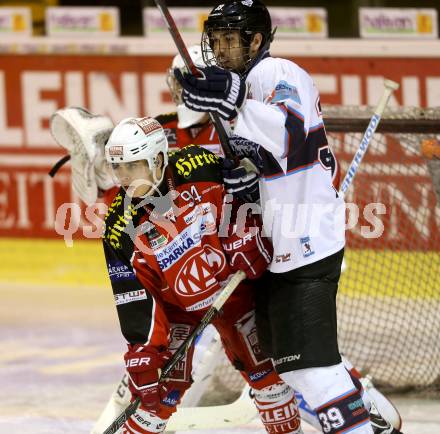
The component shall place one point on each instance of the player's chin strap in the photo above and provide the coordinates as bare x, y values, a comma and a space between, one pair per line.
83, 135
158, 181
262, 54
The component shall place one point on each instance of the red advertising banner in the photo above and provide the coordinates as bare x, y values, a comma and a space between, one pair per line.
32, 87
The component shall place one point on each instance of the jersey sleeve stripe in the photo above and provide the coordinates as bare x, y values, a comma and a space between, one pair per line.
291, 172
316, 127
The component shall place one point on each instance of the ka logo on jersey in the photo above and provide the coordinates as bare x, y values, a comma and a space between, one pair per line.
247, 3
198, 274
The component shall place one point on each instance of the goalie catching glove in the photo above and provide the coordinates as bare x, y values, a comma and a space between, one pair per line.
84, 135
218, 90
246, 248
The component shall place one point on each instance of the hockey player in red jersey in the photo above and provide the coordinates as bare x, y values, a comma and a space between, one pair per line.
274, 107
167, 263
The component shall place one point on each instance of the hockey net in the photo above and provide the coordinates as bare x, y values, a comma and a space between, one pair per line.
389, 296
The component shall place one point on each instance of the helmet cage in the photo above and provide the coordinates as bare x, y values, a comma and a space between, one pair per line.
186, 117
209, 56
175, 87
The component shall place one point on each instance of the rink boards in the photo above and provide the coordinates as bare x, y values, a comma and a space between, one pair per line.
368, 273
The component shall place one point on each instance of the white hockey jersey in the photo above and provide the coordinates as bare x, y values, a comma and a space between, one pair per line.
303, 213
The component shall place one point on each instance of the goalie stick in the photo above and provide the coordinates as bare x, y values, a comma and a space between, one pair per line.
238, 413
390, 87
207, 318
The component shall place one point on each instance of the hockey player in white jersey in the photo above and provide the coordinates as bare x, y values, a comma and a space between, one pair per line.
274, 109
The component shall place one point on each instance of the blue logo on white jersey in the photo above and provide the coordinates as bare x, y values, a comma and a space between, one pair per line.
306, 246
285, 91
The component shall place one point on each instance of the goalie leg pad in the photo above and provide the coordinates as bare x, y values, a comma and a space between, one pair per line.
278, 409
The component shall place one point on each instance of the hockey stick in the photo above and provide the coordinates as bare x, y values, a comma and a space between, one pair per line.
183, 51
207, 318
390, 87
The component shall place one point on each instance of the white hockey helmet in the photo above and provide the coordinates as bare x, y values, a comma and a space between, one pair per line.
186, 117
135, 139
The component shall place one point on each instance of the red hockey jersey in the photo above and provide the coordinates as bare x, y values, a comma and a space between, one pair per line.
178, 262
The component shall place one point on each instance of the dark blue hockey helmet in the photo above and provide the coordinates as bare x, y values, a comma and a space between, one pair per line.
249, 17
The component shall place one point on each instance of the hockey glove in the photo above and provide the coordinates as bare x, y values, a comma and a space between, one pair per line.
144, 365
246, 249
218, 90
241, 181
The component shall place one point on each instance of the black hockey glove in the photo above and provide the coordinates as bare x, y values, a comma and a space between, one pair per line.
241, 181
218, 90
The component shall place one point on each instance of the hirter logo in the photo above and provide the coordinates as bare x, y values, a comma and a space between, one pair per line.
198, 274
116, 151
149, 125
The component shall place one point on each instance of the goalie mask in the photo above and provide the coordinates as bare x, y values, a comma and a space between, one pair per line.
186, 117
229, 31
137, 152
